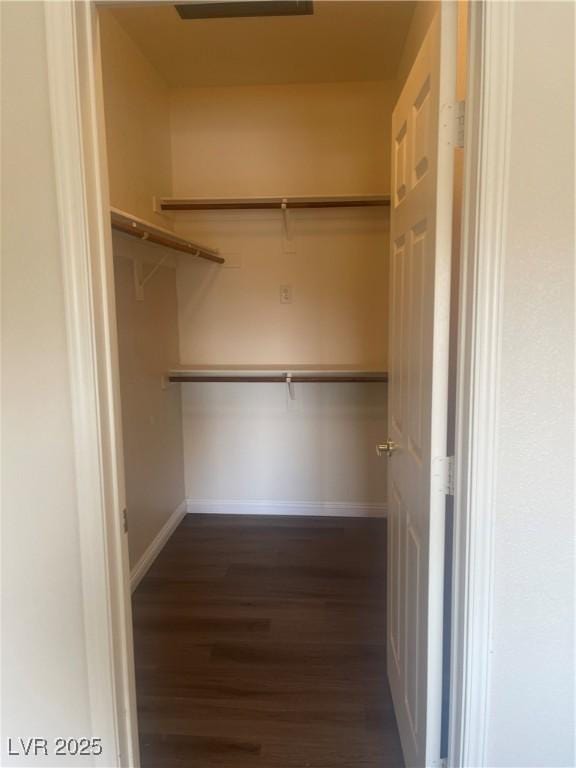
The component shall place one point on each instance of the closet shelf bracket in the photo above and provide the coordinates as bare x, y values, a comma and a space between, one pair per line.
287, 242
137, 270
290, 386
140, 279
153, 271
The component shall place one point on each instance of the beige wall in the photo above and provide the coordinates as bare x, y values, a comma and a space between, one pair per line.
532, 665
44, 676
340, 41
338, 273
139, 163
246, 442
151, 411
269, 140
251, 442
304, 139
137, 124
323, 139
424, 12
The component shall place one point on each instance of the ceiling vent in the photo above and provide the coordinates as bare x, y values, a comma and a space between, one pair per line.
233, 9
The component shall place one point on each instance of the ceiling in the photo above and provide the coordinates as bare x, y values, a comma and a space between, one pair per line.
344, 40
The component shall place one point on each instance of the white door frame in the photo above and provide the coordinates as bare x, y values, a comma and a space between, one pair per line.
80, 160
76, 108
488, 107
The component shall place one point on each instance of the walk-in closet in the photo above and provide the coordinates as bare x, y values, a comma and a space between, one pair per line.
249, 156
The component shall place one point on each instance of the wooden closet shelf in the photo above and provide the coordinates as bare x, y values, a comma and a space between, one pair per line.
271, 203
132, 225
277, 376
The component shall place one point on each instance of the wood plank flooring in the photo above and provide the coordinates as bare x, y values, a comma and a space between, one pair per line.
260, 642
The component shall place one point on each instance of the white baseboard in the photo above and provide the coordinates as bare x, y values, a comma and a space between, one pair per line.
296, 508
153, 550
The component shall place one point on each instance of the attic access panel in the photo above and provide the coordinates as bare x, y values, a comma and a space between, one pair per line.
229, 9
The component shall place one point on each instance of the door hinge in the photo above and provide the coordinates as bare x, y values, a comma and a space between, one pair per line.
460, 122
443, 470
450, 476
125, 519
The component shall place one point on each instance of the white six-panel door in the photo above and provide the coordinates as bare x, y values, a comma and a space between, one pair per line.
421, 212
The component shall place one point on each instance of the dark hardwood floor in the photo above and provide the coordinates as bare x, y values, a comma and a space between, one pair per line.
260, 641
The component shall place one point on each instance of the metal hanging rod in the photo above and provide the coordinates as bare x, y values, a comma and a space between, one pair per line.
132, 225
271, 203
285, 377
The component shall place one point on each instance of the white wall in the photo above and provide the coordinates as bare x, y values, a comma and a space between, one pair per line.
44, 677
245, 442
297, 139
232, 315
137, 104
137, 111
251, 442
327, 138
306, 139
151, 413
532, 688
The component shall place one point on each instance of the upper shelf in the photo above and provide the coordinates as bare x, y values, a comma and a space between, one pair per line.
132, 225
271, 203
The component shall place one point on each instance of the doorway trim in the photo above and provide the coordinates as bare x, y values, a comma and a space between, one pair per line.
485, 195
82, 184
76, 111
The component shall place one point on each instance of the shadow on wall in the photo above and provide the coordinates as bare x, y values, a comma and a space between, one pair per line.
253, 442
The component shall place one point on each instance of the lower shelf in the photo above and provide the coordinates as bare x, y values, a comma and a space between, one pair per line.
276, 376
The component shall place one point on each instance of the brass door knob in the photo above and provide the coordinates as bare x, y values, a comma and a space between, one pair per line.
387, 448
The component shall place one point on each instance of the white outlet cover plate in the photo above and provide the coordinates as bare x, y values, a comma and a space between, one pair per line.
286, 294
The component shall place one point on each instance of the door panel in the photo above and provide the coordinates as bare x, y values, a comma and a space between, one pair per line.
397, 373
395, 517
412, 633
400, 164
422, 157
